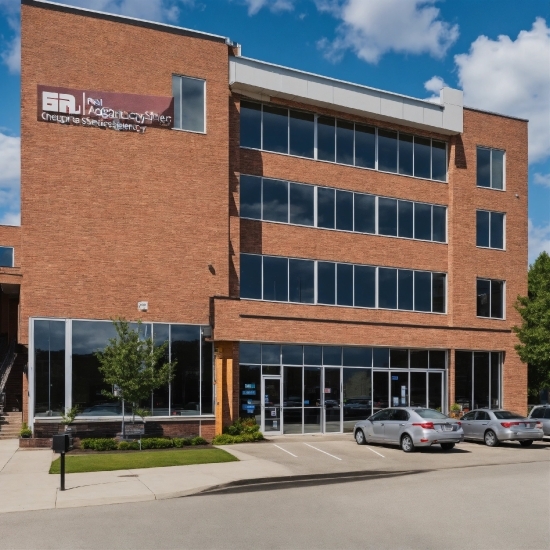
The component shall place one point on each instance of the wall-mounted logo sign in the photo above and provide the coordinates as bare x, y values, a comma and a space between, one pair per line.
106, 110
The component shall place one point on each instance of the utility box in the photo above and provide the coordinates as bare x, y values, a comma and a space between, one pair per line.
61, 443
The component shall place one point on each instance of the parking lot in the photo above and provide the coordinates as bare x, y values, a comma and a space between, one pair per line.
328, 454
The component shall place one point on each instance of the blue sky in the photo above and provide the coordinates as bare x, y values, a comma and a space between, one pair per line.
497, 51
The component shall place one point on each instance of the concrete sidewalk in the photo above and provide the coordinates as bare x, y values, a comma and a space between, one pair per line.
25, 483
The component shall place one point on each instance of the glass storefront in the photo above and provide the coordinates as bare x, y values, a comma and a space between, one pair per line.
477, 379
329, 388
58, 386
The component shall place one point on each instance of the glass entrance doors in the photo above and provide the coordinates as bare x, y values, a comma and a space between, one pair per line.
271, 405
332, 399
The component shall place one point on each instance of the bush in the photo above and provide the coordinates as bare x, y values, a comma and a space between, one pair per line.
128, 446
180, 442
99, 444
198, 441
25, 432
228, 439
156, 443
242, 426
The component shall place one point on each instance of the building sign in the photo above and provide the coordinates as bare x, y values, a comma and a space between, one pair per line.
105, 110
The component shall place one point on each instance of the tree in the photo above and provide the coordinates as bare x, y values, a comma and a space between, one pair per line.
133, 366
534, 333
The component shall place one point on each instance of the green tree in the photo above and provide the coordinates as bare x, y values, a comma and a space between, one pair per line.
133, 366
534, 333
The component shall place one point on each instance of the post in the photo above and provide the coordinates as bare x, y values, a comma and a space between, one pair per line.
62, 471
123, 427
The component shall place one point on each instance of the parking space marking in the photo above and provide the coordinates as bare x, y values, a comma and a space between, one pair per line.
375, 452
321, 451
295, 456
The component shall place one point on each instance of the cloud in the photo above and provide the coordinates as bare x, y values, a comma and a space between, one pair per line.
10, 218
542, 179
375, 27
254, 6
434, 85
10, 179
512, 77
10, 53
539, 240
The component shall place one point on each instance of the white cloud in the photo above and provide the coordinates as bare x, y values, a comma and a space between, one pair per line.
10, 179
11, 49
542, 179
512, 77
539, 240
434, 85
10, 218
254, 6
372, 28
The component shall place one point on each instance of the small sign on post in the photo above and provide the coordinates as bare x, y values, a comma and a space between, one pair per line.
61, 443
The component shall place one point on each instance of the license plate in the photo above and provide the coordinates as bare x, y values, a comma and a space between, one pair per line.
448, 428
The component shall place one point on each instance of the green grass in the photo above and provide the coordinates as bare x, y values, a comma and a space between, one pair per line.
140, 459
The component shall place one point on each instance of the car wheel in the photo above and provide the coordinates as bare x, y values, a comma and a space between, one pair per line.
360, 437
407, 444
491, 439
447, 446
526, 443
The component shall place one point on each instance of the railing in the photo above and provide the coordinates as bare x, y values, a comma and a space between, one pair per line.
7, 364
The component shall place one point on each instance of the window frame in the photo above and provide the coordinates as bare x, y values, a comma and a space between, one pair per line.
491, 149
203, 80
503, 318
12, 248
491, 212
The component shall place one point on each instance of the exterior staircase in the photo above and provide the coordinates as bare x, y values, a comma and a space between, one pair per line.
10, 425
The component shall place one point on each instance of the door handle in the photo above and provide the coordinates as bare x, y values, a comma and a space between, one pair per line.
484, 423
402, 424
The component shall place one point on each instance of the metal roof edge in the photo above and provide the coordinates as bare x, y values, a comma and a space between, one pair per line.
495, 114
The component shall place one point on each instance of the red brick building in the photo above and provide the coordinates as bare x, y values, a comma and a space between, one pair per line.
312, 250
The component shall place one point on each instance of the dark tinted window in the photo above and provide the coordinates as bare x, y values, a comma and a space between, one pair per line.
332, 355
387, 151
301, 129
399, 358
405, 154
387, 288
469, 416
387, 216
251, 276
275, 200
381, 358
437, 359
313, 355
344, 142
422, 160
365, 286
365, 213
344, 210
438, 292
275, 129
405, 289
497, 169
292, 355
507, 415
381, 415
423, 221
301, 281
271, 354
250, 353
325, 138
275, 279
430, 413
497, 230
344, 279
326, 283
439, 219
251, 125
547, 413
250, 197
497, 298
6, 256
405, 210
482, 415
400, 415
482, 228
365, 146
483, 167
325, 208
358, 357
422, 291
301, 204
483, 297
419, 359
439, 161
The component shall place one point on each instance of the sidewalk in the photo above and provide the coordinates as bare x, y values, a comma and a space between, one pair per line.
25, 483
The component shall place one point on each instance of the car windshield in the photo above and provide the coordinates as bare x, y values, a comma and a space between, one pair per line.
430, 413
505, 415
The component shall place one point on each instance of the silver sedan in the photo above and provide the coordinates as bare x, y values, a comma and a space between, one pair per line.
541, 414
494, 426
409, 427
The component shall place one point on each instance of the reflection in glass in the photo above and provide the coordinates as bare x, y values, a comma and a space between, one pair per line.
292, 355
301, 134
405, 219
207, 378
250, 196
357, 357
439, 161
422, 160
160, 400
463, 379
325, 138
249, 392
365, 146
419, 359
483, 167
380, 389
439, 222
423, 221
387, 151
387, 216
301, 281
495, 380
312, 420
364, 286
301, 204
250, 353
482, 228
332, 355
422, 291
313, 355
344, 142
497, 169
251, 125
325, 207
292, 421
405, 288
275, 130
399, 389
497, 230
418, 389
483, 297
344, 280
271, 354
435, 389
312, 386
438, 292
275, 276
185, 349
275, 200
481, 380
437, 359
251, 276
357, 396
364, 213
387, 288
344, 210
497, 299
326, 283
292, 392
399, 358
381, 358
406, 154
331, 393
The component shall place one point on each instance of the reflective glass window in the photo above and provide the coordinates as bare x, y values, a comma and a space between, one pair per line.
275, 129
483, 167
364, 213
439, 221
435, 390
497, 169
325, 138
399, 358
251, 125
439, 281
332, 355
387, 216
6, 256
495, 380
497, 230
344, 210
422, 157
463, 379
302, 134
422, 291
344, 284
364, 286
292, 389
405, 289
325, 207
387, 288
185, 386
483, 298
439, 161
405, 210
357, 396
365, 146
275, 200
301, 281
250, 381
418, 389
326, 283
405, 154
313, 355
271, 354
301, 204
251, 276
189, 103
344, 142
381, 358
497, 299
482, 228
250, 353
160, 400
250, 197
419, 359
292, 355
312, 386
357, 357
387, 151
423, 221
437, 359
275, 278
481, 380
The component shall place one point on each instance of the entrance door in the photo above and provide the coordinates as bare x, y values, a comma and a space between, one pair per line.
332, 400
271, 405
399, 389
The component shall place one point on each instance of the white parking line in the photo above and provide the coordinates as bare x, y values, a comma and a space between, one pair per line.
285, 450
321, 451
375, 452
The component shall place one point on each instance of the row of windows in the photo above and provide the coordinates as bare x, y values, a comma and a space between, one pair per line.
303, 134
490, 229
280, 279
296, 203
490, 298
490, 168
395, 358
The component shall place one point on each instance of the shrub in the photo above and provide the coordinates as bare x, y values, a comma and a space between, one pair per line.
180, 442
128, 446
198, 441
242, 426
228, 439
99, 444
25, 432
156, 443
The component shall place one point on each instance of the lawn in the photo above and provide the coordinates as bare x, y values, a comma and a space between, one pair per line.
140, 459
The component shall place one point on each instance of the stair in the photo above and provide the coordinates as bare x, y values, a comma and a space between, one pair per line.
10, 425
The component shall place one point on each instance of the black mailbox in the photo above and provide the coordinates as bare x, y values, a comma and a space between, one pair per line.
61, 443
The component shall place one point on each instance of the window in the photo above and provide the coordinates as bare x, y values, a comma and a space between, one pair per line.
302, 204
344, 284
301, 281
439, 160
387, 217
275, 279
302, 134
189, 103
406, 154
490, 298
405, 221
250, 197
490, 168
364, 286
364, 217
422, 160
275, 200
405, 292
537, 413
423, 221
344, 142
490, 229
365, 146
477, 379
326, 283
387, 151
275, 129
344, 210
326, 138
387, 288
6, 256
251, 125
325, 207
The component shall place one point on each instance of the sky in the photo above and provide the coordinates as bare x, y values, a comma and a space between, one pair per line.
496, 51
